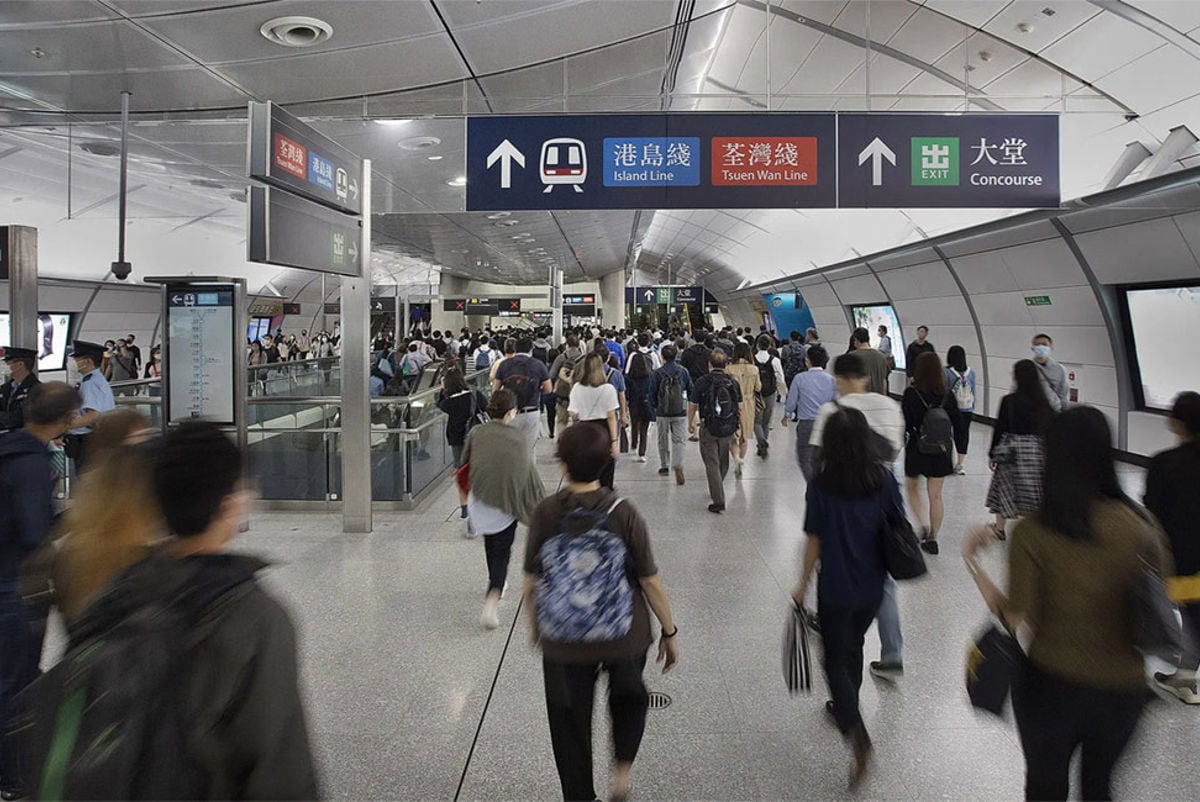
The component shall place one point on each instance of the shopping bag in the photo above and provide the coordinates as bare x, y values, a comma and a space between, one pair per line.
463, 477
994, 661
797, 653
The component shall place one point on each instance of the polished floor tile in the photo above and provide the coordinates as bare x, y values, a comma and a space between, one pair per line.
408, 696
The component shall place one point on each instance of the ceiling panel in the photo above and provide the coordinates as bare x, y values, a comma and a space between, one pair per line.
825, 11
1181, 15
1044, 30
14, 13
1157, 79
928, 36
880, 24
1033, 79
972, 12
1090, 62
101, 47
159, 89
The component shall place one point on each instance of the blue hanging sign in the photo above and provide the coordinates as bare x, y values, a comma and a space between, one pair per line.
948, 161
651, 161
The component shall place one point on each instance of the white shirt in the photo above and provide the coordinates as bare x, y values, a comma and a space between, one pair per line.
781, 385
882, 414
486, 519
653, 356
593, 403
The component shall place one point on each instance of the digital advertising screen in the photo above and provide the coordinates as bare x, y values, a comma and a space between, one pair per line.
53, 337
1159, 320
876, 315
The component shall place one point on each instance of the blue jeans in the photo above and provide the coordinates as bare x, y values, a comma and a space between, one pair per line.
891, 642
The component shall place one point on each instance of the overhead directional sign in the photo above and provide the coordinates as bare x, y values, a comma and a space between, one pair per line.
290, 231
948, 161
670, 296
651, 161
293, 155
713, 161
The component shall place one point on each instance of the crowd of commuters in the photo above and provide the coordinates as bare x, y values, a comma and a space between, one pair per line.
591, 584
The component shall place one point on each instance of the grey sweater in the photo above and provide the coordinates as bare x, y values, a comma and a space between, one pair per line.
502, 475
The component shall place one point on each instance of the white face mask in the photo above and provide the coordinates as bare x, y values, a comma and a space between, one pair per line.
1041, 351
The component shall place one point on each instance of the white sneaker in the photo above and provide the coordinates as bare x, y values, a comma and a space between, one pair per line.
470, 534
641, 459
490, 618
504, 590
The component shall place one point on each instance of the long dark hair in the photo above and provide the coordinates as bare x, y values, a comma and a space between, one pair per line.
848, 467
742, 353
1028, 380
956, 358
453, 382
928, 377
1080, 470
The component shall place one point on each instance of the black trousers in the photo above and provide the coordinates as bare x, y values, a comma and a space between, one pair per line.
843, 630
497, 548
1056, 717
609, 474
570, 695
640, 426
550, 407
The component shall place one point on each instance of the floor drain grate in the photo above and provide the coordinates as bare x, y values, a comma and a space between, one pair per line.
659, 700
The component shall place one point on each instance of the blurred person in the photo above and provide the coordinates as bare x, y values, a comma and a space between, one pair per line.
745, 373
303, 345
616, 377
1171, 494
593, 622
97, 399
270, 350
527, 378
924, 401
885, 345
874, 362
1073, 572
670, 387
550, 399
960, 381
510, 348
638, 370
594, 400
123, 365
844, 513
811, 389
562, 374
154, 366
1052, 374
771, 380
411, 365
792, 357
135, 352
695, 358
257, 355
27, 480
717, 400
461, 406
1017, 453
105, 363
504, 489
14, 394
915, 348
113, 520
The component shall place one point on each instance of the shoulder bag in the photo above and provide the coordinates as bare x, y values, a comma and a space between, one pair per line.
901, 550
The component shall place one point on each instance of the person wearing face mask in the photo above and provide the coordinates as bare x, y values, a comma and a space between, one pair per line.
15, 392
1053, 374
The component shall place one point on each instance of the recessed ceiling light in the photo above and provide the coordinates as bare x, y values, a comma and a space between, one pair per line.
499, 223
499, 215
392, 123
37, 52
458, 181
296, 31
435, 158
100, 148
419, 142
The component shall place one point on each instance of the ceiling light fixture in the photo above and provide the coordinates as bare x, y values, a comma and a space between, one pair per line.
458, 181
499, 215
435, 158
97, 148
499, 223
37, 52
419, 142
296, 31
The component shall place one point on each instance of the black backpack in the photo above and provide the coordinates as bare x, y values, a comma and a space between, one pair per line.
937, 431
541, 354
792, 358
521, 384
670, 394
766, 375
639, 366
722, 415
112, 719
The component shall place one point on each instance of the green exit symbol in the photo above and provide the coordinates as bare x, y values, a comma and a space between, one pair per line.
935, 161
1037, 300
664, 295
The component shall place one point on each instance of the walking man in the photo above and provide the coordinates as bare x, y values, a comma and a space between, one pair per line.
717, 400
670, 386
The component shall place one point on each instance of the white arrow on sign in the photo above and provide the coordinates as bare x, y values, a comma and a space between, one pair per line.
177, 299
649, 295
353, 252
877, 152
506, 153
354, 187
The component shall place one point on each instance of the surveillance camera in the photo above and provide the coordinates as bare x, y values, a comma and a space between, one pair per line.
121, 270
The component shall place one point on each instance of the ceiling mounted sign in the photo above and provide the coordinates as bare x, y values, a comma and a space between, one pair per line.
725, 161
293, 155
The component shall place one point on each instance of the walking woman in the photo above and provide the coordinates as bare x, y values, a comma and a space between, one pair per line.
844, 512
504, 489
928, 451
638, 370
594, 399
1017, 455
461, 407
745, 373
1073, 570
588, 622
960, 380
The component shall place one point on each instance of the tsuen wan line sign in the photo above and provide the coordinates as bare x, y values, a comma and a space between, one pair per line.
288, 153
713, 161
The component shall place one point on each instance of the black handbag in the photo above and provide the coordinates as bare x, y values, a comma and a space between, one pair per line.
1157, 632
994, 662
902, 555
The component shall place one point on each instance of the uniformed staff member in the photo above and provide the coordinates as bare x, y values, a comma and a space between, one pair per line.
13, 394
97, 399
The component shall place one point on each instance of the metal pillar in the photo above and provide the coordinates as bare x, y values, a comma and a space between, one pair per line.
356, 398
397, 318
556, 304
23, 286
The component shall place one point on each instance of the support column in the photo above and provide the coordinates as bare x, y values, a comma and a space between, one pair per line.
612, 299
448, 287
356, 397
22, 264
556, 304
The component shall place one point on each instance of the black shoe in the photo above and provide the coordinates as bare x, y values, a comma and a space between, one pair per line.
929, 547
12, 794
716, 508
664, 471
891, 671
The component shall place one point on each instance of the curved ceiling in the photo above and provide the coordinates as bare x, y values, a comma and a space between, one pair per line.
1118, 72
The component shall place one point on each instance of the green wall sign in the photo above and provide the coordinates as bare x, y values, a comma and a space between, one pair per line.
1037, 300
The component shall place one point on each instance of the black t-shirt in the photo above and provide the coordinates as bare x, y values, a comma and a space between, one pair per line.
525, 365
704, 389
1171, 494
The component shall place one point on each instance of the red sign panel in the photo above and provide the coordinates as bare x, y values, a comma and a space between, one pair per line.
291, 156
764, 161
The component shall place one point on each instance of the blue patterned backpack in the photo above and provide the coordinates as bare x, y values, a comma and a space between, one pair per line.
583, 595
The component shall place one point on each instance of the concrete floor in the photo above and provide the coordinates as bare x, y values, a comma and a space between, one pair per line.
410, 699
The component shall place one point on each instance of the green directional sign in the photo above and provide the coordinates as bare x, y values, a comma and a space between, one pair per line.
934, 161
1037, 300
664, 295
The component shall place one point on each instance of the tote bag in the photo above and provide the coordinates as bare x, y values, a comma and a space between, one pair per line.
797, 653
